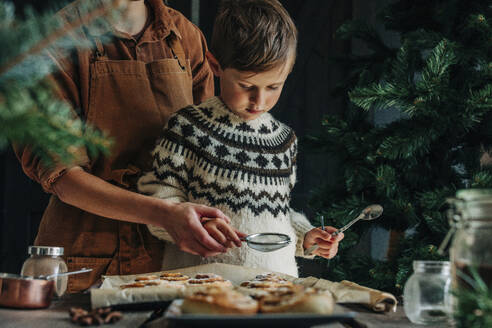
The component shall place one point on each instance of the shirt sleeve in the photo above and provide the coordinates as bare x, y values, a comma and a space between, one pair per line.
203, 77
64, 87
167, 180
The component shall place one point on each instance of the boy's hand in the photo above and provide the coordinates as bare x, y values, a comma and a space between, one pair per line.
328, 244
223, 232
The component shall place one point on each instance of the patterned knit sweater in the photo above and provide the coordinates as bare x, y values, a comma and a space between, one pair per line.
210, 156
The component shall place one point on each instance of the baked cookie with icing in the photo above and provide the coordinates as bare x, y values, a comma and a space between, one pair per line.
219, 300
205, 280
174, 277
298, 300
262, 285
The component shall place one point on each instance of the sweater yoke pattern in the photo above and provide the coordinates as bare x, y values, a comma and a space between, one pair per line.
217, 139
212, 154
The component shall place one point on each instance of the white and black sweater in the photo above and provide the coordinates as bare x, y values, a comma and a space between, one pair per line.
208, 155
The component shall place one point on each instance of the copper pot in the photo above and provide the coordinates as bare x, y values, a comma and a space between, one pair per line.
26, 292
18, 292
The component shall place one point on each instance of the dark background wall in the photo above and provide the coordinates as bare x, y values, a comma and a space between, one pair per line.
305, 99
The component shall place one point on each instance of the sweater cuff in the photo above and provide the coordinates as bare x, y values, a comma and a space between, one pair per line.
301, 226
160, 233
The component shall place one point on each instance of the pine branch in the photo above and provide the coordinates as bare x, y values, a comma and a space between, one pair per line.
34, 118
481, 100
482, 179
474, 308
435, 75
46, 41
401, 144
29, 112
379, 96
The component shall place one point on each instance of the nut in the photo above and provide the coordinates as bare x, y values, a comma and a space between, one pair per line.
113, 317
97, 316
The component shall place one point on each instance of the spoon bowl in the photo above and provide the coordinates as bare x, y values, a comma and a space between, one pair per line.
370, 213
267, 241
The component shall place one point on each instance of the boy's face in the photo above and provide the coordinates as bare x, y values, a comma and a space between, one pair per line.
249, 94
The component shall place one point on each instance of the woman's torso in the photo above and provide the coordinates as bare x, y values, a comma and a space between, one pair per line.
128, 89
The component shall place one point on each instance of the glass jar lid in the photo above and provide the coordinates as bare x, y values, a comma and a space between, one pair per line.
471, 204
442, 267
474, 194
45, 250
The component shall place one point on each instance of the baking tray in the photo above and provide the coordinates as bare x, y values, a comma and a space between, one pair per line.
175, 318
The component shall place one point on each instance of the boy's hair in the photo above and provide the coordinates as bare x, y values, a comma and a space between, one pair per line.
253, 35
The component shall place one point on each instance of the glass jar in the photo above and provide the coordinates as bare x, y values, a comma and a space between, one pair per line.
45, 260
471, 216
427, 293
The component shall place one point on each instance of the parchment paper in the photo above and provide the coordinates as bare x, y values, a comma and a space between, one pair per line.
343, 292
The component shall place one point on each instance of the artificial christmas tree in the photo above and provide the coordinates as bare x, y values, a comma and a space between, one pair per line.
440, 80
29, 111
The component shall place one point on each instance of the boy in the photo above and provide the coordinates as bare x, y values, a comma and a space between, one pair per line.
228, 152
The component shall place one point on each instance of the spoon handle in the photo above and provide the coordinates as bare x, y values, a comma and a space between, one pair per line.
348, 225
310, 250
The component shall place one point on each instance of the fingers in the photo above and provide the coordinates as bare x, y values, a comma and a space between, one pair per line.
340, 236
202, 236
194, 247
328, 234
211, 212
328, 254
239, 233
230, 233
223, 232
319, 234
330, 229
323, 243
216, 234
326, 249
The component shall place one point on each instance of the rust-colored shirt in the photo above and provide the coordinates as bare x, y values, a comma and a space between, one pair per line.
127, 88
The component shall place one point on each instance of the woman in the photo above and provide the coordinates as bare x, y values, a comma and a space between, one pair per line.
153, 65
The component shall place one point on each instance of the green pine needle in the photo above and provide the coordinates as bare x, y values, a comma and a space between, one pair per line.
29, 112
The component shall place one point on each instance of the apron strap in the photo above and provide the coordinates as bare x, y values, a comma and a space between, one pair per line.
177, 50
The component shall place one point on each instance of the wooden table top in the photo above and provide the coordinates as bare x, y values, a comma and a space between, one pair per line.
56, 316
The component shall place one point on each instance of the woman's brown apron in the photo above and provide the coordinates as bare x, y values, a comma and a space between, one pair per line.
131, 101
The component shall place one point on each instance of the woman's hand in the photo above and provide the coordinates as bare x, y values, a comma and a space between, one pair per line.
223, 232
183, 223
328, 244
